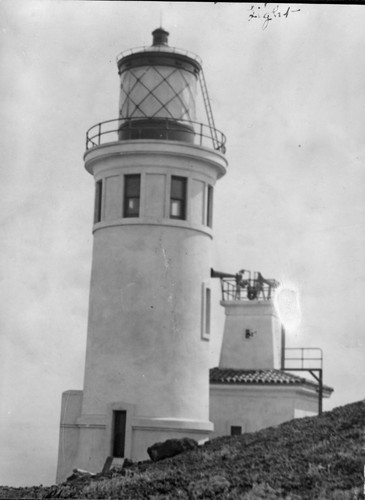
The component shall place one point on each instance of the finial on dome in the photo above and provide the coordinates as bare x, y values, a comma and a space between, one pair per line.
160, 37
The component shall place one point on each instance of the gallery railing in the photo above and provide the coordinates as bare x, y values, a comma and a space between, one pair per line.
121, 129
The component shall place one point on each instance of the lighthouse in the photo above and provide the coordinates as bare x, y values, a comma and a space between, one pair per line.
147, 356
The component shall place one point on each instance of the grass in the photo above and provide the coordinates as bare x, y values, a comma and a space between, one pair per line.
317, 458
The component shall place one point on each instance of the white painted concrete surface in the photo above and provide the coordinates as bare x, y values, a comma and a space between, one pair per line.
147, 350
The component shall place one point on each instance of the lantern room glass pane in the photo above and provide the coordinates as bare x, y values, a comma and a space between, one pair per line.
158, 92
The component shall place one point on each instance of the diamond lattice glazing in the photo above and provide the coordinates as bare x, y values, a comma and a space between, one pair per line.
158, 92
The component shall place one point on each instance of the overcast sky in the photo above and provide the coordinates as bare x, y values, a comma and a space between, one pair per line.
290, 99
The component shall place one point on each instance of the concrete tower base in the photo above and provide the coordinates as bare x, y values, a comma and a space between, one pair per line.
85, 442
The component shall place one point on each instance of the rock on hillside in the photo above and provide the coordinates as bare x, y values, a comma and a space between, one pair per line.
310, 458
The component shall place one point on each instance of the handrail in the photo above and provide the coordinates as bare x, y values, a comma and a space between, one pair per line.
208, 107
302, 358
135, 128
159, 48
233, 291
306, 366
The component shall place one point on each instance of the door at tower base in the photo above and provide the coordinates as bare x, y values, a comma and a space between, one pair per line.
118, 434
86, 442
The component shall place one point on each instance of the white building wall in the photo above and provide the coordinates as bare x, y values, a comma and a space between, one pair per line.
144, 339
263, 349
69, 432
254, 408
147, 348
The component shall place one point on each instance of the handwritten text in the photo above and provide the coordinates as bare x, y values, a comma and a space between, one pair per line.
267, 13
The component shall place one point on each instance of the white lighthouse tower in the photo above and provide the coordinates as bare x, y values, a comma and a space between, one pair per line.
155, 167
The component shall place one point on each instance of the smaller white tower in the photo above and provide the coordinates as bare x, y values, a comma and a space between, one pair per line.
252, 337
250, 390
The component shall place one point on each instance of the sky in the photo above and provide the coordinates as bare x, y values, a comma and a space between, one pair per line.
290, 97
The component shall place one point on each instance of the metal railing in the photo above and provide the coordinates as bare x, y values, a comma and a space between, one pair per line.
233, 290
159, 48
120, 129
306, 358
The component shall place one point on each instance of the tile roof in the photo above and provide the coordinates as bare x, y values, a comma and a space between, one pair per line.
263, 377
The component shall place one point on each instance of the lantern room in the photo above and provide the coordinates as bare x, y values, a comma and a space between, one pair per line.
160, 87
158, 82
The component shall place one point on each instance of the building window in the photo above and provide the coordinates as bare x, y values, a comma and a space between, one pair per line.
236, 430
209, 211
178, 198
132, 189
98, 201
207, 311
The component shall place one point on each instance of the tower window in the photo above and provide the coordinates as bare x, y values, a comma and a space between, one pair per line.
178, 198
207, 311
132, 189
210, 206
98, 201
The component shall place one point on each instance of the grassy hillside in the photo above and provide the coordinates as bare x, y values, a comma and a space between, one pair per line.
311, 458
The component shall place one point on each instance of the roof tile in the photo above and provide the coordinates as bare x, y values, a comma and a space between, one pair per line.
271, 376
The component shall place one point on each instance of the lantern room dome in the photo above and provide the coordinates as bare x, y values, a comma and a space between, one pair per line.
159, 47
